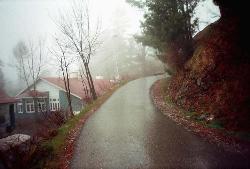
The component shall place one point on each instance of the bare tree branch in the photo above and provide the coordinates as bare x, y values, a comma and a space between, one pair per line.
77, 29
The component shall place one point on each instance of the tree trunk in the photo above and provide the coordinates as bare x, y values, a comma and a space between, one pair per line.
90, 82
67, 88
69, 93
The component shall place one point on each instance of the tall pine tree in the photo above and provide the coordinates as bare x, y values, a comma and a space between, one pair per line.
168, 27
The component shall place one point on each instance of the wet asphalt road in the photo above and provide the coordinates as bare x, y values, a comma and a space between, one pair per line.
127, 132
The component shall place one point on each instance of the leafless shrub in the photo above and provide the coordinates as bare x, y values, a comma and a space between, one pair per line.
50, 122
55, 118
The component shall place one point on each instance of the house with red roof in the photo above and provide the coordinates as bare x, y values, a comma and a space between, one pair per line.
51, 95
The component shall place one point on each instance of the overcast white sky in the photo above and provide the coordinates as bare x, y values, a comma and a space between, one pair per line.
31, 19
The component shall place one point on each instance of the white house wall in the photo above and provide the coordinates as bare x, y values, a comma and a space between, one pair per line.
55, 99
46, 87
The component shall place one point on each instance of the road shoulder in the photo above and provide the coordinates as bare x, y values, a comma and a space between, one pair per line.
178, 115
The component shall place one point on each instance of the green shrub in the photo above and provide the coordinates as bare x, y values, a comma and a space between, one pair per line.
217, 124
243, 135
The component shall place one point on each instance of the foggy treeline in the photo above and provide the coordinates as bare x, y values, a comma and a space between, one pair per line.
117, 55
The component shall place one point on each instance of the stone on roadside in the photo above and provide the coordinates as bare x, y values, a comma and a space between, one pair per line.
15, 149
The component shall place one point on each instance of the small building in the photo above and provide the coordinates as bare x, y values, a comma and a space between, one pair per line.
7, 112
50, 95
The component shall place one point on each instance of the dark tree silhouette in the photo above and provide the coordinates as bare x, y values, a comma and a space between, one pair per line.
168, 26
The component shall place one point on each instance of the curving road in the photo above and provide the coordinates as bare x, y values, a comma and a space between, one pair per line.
127, 132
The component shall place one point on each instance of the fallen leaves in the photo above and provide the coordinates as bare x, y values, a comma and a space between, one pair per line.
214, 136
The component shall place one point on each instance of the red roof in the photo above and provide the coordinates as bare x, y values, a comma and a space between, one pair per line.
33, 93
76, 85
4, 98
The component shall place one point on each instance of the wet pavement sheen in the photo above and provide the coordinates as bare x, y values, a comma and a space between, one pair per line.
127, 132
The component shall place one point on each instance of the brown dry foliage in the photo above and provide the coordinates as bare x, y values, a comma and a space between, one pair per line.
216, 79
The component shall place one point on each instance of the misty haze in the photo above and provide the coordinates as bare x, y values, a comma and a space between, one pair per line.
124, 84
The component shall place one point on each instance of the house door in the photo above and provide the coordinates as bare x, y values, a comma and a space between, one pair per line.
12, 115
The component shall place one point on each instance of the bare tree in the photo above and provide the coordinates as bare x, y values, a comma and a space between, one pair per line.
81, 35
29, 62
64, 60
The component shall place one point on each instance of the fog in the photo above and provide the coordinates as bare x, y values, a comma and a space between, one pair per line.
33, 19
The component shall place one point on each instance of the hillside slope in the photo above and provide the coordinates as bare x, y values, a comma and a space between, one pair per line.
215, 81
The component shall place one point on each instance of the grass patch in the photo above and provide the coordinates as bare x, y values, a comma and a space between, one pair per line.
168, 100
242, 135
216, 124
191, 114
194, 116
164, 85
55, 146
